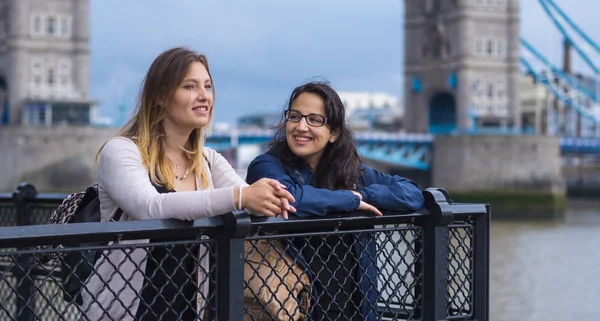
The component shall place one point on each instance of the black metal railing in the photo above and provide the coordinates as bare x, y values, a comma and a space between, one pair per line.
428, 265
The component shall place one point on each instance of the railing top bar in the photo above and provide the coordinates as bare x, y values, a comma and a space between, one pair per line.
54, 198
23, 236
51, 197
358, 219
468, 209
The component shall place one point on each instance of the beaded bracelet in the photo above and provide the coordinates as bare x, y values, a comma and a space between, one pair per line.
240, 198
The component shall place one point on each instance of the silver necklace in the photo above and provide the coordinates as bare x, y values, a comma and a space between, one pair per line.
187, 170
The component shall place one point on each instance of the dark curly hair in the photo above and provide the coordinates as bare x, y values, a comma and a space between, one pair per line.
339, 166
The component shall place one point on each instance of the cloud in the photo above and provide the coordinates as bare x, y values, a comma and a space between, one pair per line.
257, 50
260, 50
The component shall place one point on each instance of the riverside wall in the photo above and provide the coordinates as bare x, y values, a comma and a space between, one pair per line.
520, 176
55, 159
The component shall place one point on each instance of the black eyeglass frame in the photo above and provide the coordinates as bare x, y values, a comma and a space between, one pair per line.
288, 112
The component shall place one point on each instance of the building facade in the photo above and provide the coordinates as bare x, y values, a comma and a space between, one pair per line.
44, 62
372, 111
461, 65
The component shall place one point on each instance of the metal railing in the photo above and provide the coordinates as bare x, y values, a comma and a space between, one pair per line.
428, 265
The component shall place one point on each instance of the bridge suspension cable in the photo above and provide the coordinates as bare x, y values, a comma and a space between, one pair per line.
575, 36
578, 93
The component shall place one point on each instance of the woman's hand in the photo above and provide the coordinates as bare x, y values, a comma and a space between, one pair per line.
363, 206
267, 197
282, 193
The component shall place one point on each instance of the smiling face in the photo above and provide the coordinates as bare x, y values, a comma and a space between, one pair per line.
306, 141
192, 103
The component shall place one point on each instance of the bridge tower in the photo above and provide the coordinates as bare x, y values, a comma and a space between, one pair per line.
44, 62
461, 65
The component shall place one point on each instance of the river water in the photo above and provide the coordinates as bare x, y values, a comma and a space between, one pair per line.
546, 271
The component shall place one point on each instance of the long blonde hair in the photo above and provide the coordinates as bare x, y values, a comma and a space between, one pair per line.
145, 128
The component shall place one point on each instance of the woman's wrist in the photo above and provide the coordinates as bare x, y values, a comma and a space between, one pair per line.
363, 195
357, 193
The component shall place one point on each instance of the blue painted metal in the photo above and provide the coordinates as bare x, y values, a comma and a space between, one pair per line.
407, 155
563, 98
453, 80
409, 150
4, 113
401, 149
491, 131
546, 4
580, 96
579, 145
570, 80
416, 84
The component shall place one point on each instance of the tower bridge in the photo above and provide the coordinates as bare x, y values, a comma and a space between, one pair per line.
465, 63
413, 150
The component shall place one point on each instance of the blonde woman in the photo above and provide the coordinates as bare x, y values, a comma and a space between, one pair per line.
157, 168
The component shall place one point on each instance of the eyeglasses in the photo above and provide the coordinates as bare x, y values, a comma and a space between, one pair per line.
314, 120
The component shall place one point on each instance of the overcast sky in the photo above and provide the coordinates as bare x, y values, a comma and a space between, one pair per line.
259, 50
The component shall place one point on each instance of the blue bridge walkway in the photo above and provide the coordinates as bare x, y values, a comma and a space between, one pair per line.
402, 149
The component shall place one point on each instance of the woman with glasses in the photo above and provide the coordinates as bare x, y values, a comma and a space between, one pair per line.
314, 155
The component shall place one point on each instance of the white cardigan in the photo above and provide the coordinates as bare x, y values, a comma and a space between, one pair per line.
123, 182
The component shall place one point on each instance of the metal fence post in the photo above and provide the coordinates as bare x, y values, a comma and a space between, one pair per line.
230, 266
23, 197
481, 262
435, 254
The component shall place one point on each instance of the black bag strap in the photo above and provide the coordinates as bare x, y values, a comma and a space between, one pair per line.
207, 163
117, 216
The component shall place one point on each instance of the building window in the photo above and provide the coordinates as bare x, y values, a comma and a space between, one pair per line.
490, 95
36, 65
491, 3
37, 25
500, 48
73, 115
490, 91
65, 26
64, 71
35, 114
64, 67
478, 46
51, 76
500, 89
501, 94
489, 48
37, 70
50, 25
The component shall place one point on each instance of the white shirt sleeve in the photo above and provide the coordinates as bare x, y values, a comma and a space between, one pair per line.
222, 173
123, 176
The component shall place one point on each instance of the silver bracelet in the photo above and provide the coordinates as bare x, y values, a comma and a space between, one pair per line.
240, 198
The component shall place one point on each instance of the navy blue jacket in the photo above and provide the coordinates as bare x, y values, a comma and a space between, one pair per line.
386, 192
